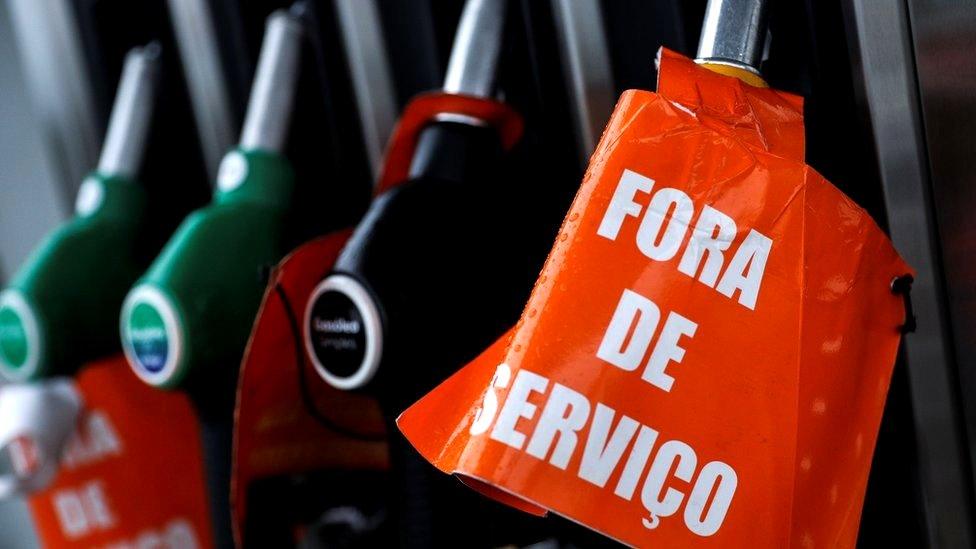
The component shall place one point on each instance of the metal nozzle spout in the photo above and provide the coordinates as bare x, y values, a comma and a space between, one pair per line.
128, 127
474, 55
734, 33
273, 91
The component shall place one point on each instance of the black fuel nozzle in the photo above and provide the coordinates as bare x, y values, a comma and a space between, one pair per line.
408, 263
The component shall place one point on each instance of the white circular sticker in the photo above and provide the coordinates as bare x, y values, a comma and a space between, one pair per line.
343, 332
152, 338
233, 170
91, 194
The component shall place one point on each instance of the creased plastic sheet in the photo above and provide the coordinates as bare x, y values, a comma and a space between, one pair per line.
706, 354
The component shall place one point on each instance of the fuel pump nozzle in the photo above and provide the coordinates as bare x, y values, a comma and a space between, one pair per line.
453, 157
430, 276
185, 323
60, 308
733, 38
193, 308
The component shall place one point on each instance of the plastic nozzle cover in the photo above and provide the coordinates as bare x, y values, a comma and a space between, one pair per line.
128, 128
273, 91
734, 33
474, 55
36, 421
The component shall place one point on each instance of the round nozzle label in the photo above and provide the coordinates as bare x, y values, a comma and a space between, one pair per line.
147, 332
19, 337
151, 336
343, 332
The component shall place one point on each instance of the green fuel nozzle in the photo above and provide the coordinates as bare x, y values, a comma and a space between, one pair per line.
61, 307
193, 308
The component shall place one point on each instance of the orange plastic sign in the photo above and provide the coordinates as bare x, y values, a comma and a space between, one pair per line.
706, 354
132, 474
276, 430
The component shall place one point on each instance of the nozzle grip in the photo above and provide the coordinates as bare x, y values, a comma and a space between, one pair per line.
71, 287
207, 279
416, 252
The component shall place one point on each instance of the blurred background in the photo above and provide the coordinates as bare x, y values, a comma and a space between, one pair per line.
890, 118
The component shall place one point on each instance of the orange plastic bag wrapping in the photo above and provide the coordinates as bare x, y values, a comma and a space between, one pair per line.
132, 474
706, 354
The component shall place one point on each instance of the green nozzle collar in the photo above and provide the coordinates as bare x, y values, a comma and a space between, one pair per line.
256, 176
152, 336
20, 338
